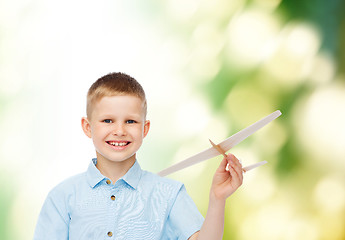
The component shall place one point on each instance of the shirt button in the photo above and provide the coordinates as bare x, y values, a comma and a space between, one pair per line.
108, 181
110, 234
112, 197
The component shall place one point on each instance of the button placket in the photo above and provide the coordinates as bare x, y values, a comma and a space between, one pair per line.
113, 196
110, 193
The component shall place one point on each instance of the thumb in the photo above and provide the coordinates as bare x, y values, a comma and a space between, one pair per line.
223, 163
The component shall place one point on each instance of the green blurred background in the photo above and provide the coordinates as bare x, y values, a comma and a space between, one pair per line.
210, 68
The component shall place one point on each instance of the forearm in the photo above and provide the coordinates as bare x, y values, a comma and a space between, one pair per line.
225, 182
213, 226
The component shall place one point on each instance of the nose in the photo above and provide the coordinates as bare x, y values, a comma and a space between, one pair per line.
119, 130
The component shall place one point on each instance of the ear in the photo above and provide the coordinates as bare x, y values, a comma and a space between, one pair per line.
85, 124
146, 127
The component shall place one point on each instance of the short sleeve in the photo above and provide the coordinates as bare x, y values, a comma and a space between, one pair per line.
53, 220
184, 218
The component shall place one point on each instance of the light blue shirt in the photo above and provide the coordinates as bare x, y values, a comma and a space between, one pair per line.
140, 205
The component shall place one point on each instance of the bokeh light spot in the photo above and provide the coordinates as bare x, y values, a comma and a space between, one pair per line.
292, 53
329, 195
249, 34
319, 124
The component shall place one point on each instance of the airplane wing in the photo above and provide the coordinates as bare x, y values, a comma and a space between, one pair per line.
226, 145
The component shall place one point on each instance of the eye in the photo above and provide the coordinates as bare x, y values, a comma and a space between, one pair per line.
130, 121
107, 121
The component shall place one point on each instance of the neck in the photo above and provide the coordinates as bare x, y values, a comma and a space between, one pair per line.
114, 170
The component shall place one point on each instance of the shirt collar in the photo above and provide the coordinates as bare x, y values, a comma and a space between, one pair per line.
132, 177
94, 176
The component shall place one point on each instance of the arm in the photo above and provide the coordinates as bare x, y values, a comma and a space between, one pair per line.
53, 220
224, 184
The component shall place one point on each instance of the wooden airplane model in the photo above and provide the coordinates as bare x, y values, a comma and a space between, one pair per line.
224, 146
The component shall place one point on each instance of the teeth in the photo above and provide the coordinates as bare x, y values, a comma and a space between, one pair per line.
117, 144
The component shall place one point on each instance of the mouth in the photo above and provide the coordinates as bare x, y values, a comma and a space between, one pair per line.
118, 143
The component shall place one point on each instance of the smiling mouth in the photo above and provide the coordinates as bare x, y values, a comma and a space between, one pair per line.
118, 144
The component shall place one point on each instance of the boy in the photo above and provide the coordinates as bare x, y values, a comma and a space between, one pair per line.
114, 198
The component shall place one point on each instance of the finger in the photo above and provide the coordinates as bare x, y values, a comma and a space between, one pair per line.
237, 167
232, 164
235, 176
222, 165
235, 160
236, 163
239, 176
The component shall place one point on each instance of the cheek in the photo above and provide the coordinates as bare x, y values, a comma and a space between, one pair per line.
97, 133
139, 133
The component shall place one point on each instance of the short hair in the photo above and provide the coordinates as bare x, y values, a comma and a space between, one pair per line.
114, 84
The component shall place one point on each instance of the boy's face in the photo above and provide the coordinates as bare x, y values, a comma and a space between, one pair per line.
117, 127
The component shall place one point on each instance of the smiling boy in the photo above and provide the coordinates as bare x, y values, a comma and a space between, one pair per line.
117, 127
115, 198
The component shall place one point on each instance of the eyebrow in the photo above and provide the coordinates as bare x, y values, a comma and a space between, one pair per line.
106, 116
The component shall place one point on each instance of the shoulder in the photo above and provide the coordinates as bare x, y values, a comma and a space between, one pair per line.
162, 184
69, 185
154, 178
61, 198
